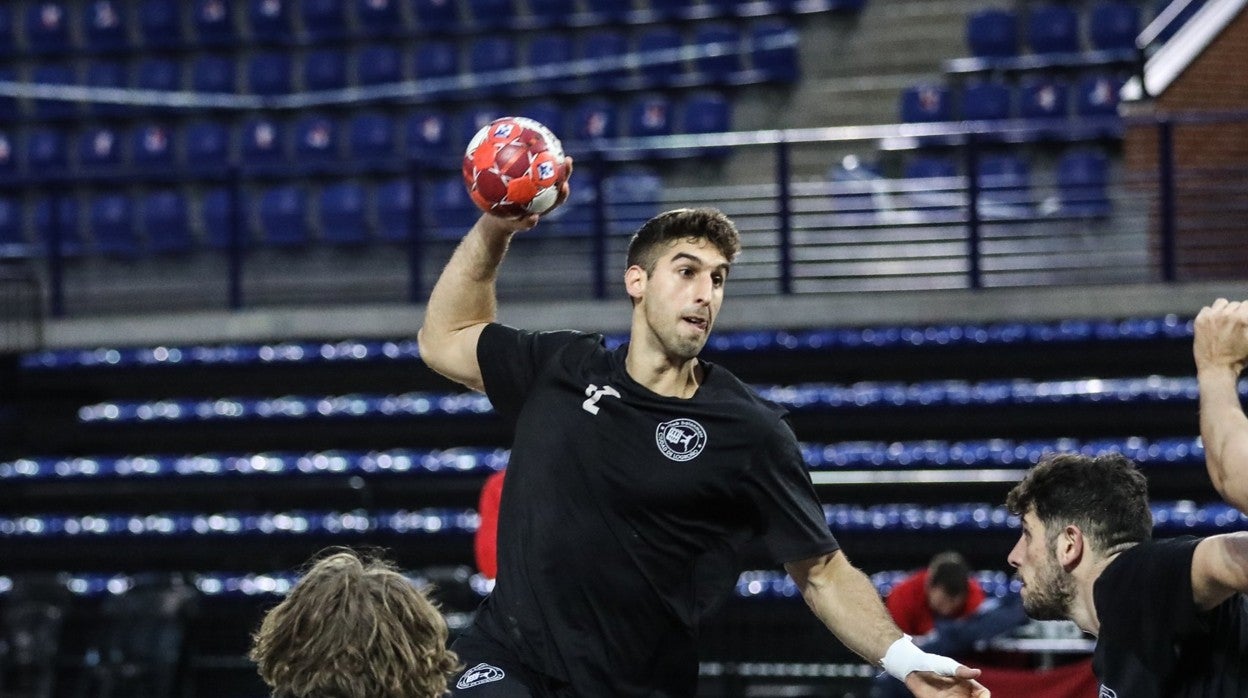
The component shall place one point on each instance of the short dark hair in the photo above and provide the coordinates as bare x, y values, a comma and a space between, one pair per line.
1106, 496
949, 572
354, 628
708, 224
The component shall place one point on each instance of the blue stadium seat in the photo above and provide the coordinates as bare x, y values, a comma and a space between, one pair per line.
214, 74
1053, 28
372, 136
99, 150
158, 74
1042, 97
325, 69
66, 227
51, 74
214, 23
575, 217
552, 52
104, 26
436, 59
342, 220
436, 15
378, 64
1082, 181
487, 57
926, 103
46, 151
160, 24
269, 73
605, 49
8, 154
553, 13
985, 101
207, 146
492, 14
8, 105
650, 115
449, 212
930, 167
773, 51
153, 146
379, 18
476, 117
547, 112
1113, 25
165, 221
393, 200
112, 225
107, 74
13, 242
707, 112
633, 196
594, 119
724, 40
316, 141
269, 21
263, 144
429, 139
47, 28
8, 34
282, 215
324, 20
607, 11
218, 220
658, 50
992, 33
1005, 185
1098, 95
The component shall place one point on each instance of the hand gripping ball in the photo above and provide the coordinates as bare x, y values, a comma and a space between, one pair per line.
513, 167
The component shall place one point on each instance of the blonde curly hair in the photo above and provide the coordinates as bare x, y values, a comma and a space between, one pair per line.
354, 628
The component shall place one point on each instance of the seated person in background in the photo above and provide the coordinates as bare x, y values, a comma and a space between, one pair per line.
354, 628
485, 542
942, 591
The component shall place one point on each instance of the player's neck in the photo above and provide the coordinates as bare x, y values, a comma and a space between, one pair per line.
660, 374
1083, 607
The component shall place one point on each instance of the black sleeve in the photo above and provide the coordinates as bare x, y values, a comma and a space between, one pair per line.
792, 523
1153, 583
511, 359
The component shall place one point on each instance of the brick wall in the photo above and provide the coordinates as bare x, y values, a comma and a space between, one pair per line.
1211, 161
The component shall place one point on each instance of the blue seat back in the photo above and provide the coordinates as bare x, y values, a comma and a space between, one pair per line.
552, 52
436, 15
378, 65
269, 20
213, 21
548, 113
1043, 98
104, 24
153, 144
207, 146
46, 151
316, 138
722, 40
926, 103
492, 14
107, 74
66, 224
47, 27
112, 225
633, 196
429, 137
379, 18
1113, 25
986, 101
160, 23
263, 141
650, 115
324, 19
1053, 28
595, 119
99, 149
218, 218
773, 50
604, 49
658, 50
165, 222
8, 33
436, 59
394, 206
1082, 182
51, 108
269, 73
1098, 95
706, 112
372, 136
325, 69
992, 33
283, 221
342, 218
213, 73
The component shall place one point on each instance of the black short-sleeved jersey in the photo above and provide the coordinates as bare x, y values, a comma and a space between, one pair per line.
625, 510
1154, 641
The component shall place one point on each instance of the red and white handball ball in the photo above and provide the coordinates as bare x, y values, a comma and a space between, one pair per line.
513, 167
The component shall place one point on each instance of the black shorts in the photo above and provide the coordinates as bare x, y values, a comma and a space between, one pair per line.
493, 671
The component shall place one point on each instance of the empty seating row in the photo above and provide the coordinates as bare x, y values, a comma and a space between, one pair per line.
364, 141
1182, 516
799, 398
1053, 34
1093, 114
994, 453
756, 341
551, 64
56, 27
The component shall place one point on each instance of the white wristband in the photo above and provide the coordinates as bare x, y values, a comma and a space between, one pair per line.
903, 657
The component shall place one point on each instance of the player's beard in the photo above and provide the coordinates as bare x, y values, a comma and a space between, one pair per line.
1049, 595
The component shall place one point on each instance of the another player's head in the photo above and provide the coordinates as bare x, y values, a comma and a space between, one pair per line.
1075, 509
677, 265
948, 580
354, 628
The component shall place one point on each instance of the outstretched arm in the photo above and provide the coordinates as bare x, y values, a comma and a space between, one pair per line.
845, 600
463, 300
1219, 568
1220, 350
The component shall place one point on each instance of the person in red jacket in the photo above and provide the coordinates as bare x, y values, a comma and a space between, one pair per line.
485, 542
943, 591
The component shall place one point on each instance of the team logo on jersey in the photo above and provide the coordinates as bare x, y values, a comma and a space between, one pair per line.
1107, 692
680, 439
479, 674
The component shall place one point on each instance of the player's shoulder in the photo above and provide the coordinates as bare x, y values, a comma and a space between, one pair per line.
743, 396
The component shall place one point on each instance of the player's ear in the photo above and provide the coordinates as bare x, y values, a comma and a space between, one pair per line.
1071, 546
635, 282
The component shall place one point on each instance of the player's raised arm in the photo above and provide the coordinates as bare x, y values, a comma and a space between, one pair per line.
514, 169
1220, 350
